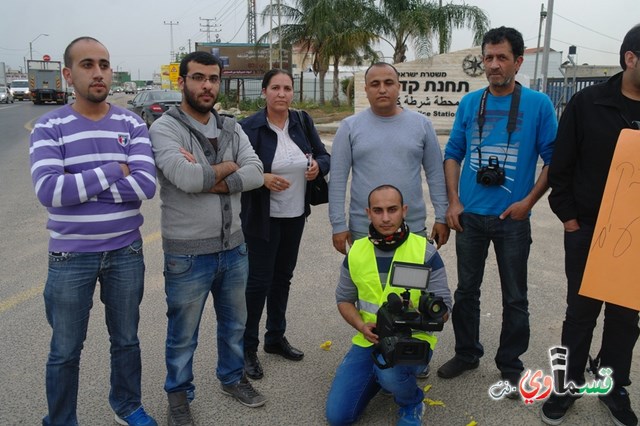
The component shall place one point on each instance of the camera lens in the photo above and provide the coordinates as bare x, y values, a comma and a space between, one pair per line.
432, 307
487, 178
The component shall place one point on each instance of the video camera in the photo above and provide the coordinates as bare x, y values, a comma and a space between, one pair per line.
396, 319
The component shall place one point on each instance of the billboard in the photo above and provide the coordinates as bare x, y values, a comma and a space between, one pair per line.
244, 59
169, 76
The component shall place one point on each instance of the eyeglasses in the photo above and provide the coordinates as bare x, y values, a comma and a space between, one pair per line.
201, 78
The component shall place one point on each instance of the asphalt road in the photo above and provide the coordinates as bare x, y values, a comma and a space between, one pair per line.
296, 391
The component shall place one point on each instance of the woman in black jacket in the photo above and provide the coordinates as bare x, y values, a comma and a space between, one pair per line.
273, 216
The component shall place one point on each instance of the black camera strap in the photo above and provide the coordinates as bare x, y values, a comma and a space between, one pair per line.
511, 124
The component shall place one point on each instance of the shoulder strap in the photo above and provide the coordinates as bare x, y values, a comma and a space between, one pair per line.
305, 129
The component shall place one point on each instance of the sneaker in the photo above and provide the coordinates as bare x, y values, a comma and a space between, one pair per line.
179, 411
455, 367
244, 393
619, 406
411, 415
424, 373
555, 407
137, 418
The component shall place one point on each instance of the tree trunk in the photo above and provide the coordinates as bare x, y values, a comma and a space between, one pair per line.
336, 82
349, 91
322, 75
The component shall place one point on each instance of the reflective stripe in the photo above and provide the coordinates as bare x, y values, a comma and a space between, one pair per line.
368, 307
365, 275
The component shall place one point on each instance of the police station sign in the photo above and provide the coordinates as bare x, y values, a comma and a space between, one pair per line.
434, 86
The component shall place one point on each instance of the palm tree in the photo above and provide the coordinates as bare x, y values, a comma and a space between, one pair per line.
418, 21
348, 39
330, 29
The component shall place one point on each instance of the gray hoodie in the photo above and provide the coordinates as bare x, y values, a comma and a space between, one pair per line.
195, 221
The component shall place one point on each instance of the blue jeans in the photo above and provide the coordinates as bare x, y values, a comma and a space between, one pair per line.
358, 380
271, 265
68, 297
511, 241
188, 281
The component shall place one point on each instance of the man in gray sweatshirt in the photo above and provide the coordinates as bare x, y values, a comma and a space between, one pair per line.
204, 162
385, 144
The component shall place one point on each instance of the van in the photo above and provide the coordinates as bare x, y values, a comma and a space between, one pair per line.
20, 89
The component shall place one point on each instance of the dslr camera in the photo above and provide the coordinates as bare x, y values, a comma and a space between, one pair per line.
492, 174
397, 319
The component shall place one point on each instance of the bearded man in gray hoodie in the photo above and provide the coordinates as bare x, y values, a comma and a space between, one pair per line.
204, 162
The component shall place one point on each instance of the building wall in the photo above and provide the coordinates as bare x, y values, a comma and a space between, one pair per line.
529, 65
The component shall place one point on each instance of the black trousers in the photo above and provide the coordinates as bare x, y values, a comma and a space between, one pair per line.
620, 331
271, 265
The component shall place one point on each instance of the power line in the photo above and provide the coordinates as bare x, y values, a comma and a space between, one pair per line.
239, 28
232, 7
587, 28
585, 47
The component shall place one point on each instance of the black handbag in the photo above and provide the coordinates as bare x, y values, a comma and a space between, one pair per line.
317, 189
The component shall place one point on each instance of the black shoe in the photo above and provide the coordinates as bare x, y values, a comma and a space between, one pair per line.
619, 406
555, 407
252, 366
284, 349
179, 411
514, 382
455, 367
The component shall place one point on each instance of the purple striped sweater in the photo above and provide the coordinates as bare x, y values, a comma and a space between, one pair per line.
75, 169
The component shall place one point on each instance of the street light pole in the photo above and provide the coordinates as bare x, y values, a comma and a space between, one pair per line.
31, 44
547, 43
543, 15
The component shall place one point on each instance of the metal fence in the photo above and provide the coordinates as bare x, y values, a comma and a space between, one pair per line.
560, 90
306, 89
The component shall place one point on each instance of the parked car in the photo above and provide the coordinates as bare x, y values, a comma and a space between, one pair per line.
5, 95
151, 104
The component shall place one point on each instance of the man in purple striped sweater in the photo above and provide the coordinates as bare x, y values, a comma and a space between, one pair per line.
91, 166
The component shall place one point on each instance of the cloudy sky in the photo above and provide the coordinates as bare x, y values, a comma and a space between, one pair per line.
138, 36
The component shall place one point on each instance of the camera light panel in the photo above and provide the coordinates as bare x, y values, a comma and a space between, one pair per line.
409, 275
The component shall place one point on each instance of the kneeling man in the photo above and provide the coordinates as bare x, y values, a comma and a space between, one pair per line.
365, 284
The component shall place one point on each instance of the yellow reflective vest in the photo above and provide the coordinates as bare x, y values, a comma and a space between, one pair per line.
364, 273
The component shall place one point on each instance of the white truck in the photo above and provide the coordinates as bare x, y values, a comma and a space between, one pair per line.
46, 83
20, 89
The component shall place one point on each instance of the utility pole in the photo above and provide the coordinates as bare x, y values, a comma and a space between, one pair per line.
279, 35
271, 34
209, 28
543, 15
547, 43
172, 53
251, 22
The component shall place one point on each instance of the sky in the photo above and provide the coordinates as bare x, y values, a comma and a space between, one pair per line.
138, 33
